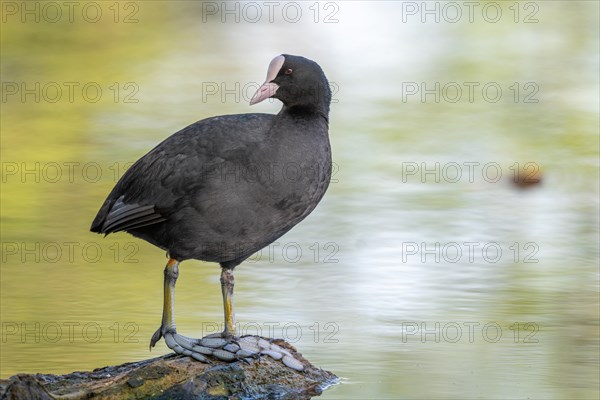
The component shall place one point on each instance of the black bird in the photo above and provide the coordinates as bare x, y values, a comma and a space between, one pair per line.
225, 187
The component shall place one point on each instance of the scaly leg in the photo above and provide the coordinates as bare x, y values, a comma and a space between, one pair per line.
176, 342
227, 347
227, 282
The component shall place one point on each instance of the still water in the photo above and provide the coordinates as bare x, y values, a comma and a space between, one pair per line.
424, 273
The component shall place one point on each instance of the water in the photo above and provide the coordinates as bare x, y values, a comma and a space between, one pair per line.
399, 286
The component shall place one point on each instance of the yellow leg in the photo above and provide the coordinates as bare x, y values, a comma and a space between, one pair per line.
223, 348
171, 275
168, 316
227, 282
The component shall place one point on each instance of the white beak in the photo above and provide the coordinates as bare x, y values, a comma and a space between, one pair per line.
269, 88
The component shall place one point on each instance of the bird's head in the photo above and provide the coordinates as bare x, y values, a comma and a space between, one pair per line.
298, 82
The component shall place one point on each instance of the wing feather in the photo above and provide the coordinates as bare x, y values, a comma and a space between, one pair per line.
123, 216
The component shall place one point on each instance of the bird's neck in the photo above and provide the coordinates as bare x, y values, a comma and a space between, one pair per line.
309, 112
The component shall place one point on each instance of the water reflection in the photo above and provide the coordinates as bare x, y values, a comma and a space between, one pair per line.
370, 308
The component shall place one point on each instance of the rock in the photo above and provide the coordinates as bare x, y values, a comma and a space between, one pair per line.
178, 377
23, 387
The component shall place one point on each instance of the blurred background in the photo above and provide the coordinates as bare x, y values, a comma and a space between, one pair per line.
455, 254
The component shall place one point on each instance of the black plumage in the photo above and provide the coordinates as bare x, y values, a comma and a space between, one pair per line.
225, 187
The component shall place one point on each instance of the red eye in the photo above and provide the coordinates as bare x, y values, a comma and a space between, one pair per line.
288, 71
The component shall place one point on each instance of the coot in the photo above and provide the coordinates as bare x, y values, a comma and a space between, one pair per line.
225, 187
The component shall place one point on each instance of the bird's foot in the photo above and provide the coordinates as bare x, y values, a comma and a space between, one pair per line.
227, 349
212, 345
182, 344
